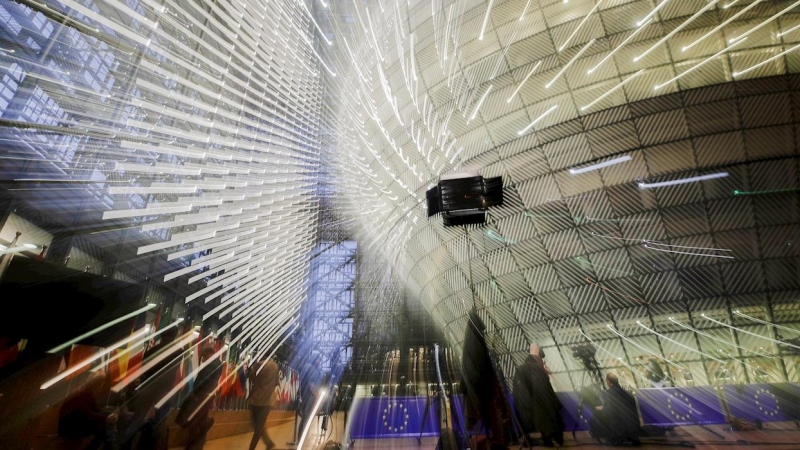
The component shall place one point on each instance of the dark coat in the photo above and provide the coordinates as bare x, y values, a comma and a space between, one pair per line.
620, 408
80, 416
538, 407
477, 370
197, 405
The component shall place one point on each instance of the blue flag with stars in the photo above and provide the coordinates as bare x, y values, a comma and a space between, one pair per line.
680, 406
766, 402
384, 417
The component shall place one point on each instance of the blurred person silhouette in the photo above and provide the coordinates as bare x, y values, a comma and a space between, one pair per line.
617, 420
329, 404
654, 373
483, 395
194, 412
142, 395
262, 397
80, 415
537, 404
309, 389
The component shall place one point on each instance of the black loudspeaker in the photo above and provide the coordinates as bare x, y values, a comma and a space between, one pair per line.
463, 199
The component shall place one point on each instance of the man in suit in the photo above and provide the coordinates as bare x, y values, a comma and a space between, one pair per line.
617, 420
263, 377
538, 406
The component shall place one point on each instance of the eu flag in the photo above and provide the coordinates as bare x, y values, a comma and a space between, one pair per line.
386, 417
574, 419
766, 402
680, 406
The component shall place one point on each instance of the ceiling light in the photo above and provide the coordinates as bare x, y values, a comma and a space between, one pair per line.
601, 165
643, 185
537, 120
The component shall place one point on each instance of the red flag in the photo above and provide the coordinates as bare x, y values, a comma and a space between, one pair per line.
240, 380
78, 354
224, 381
157, 320
8, 353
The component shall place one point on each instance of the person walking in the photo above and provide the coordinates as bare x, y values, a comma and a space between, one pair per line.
538, 407
81, 416
194, 413
263, 378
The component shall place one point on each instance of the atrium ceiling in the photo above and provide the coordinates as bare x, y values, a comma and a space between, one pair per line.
648, 151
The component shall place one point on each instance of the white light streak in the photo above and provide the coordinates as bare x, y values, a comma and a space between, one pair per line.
614, 89
570, 63
704, 316
102, 327
790, 30
763, 322
157, 359
480, 102
516, 91
322, 395
537, 120
580, 25
643, 185
765, 62
485, 20
601, 165
722, 341
764, 23
618, 48
524, 10
676, 30
677, 252
722, 25
698, 65
188, 377
94, 358
652, 13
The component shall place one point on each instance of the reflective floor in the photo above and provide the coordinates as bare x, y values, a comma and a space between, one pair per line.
777, 435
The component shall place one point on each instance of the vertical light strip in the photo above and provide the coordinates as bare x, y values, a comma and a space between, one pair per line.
580, 25
524, 10
322, 395
485, 20
570, 63
480, 102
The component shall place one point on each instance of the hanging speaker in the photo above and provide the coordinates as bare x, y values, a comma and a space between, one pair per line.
464, 198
